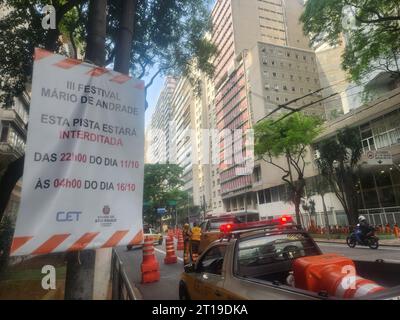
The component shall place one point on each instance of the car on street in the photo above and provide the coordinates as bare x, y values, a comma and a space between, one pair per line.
256, 261
157, 236
210, 229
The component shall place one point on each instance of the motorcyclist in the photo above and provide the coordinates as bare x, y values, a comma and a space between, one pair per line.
363, 228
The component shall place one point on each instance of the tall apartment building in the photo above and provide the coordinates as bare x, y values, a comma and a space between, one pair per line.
264, 60
183, 138
159, 133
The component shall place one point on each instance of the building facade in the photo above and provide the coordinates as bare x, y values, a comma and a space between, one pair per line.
13, 130
158, 135
264, 60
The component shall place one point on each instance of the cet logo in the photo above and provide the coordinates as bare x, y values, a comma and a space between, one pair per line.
106, 210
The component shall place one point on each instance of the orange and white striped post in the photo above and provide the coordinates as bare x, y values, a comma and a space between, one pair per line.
150, 267
170, 257
180, 246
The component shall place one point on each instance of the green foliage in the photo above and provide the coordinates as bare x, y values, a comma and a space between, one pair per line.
372, 39
288, 138
339, 157
20, 32
162, 182
168, 34
6, 236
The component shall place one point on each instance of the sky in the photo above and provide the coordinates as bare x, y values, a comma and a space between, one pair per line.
154, 91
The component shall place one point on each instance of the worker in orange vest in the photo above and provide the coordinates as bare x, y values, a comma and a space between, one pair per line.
186, 240
388, 229
195, 241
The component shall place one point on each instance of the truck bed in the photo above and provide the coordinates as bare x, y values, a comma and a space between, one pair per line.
386, 274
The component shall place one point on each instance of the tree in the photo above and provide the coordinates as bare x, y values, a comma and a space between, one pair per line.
162, 182
320, 185
6, 234
169, 34
338, 160
373, 37
288, 139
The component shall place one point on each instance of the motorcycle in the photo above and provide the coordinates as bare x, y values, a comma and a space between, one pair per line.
370, 240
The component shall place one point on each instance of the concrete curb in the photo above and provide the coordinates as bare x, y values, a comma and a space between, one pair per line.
343, 242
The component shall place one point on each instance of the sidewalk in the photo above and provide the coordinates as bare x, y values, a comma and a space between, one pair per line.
389, 243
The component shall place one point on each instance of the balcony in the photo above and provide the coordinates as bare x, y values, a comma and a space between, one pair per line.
10, 115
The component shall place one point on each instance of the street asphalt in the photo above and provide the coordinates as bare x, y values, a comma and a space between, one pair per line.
167, 287
389, 254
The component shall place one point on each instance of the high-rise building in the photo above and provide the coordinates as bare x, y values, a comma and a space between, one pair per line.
158, 135
183, 138
264, 60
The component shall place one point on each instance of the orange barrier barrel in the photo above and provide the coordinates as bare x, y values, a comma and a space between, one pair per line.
333, 274
150, 267
396, 231
180, 245
170, 257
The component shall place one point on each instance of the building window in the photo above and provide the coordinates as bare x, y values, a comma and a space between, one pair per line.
267, 194
261, 197
274, 194
257, 174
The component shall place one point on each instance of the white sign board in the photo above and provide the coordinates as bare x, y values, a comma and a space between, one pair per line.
379, 157
83, 176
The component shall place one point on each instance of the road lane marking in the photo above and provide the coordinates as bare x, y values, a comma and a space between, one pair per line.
163, 252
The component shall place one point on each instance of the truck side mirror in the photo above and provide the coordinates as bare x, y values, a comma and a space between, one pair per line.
189, 268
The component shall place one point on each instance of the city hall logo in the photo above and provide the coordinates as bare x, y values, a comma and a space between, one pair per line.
106, 210
106, 219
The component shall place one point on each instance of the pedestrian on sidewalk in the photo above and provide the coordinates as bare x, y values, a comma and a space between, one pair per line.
195, 241
186, 240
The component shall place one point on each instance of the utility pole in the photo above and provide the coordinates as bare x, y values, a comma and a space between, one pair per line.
80, 275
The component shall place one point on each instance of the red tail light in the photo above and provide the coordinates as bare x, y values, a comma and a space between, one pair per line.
225, 228
285, 219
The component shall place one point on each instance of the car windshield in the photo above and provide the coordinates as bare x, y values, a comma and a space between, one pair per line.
259, 254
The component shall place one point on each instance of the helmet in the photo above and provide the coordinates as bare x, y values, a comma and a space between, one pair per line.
361, 218
186, 226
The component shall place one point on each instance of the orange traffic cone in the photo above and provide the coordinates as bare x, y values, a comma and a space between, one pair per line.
150, 267
396, 231
170, 258
180, 245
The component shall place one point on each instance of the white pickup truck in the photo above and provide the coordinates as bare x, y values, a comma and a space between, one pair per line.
257, 263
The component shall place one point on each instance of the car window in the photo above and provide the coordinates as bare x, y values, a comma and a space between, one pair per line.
265, 251
212, 260
215, 225
203, 226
